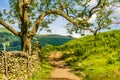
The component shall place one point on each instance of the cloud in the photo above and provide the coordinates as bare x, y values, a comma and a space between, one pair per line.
116, 11
78, 7
92, 19
76, 35
92, 3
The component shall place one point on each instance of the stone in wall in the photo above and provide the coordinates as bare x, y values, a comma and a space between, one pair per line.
17, 65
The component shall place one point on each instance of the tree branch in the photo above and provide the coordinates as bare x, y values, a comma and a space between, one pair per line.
87, 28
91, 11
61, 6
115, 22
41, 17
116, 5
20, 4
9, 27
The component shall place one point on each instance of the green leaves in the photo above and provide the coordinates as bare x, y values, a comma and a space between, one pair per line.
79, 11
1, 15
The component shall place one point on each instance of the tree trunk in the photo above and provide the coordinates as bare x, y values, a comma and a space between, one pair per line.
26, 42
95, 33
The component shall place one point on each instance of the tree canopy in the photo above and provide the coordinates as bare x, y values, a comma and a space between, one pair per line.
100, 15
34, 15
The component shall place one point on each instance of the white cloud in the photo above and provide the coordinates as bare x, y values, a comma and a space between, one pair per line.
76, 35
92, 3
117, 11
78, 7
92, 19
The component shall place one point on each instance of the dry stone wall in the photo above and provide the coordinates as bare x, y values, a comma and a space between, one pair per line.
17, 65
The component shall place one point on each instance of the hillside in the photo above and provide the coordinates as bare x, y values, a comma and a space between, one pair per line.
52, 39
98, 58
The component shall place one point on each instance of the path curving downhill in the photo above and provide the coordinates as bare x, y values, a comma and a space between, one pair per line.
60, 72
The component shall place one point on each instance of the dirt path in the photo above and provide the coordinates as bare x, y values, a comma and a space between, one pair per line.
61, 72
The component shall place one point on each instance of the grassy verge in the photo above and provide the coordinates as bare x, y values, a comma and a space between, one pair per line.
44, 73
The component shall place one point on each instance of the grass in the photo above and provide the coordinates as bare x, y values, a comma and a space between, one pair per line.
97, 57
43, 74
100, 68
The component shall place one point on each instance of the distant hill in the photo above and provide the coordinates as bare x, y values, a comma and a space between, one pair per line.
4, 30
52, 39
15, 43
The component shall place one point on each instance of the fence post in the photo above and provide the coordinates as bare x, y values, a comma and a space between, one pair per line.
28, 72
6, 67
4, 46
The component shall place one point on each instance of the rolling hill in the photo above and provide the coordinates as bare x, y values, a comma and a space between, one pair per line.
52, 39
97, 57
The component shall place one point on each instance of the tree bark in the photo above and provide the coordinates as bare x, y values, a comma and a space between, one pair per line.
26, 38
10, 28
26, 43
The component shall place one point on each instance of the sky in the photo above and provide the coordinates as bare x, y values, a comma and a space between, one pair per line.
58, 26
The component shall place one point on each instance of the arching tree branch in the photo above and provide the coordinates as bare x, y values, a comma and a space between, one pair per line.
41, 17
9, 27
115, 22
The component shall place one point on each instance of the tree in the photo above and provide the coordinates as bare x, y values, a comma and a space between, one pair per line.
101, 11
34, 15
30, 15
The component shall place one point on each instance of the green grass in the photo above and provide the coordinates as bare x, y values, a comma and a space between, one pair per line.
101, 67
97, 57
44, 72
